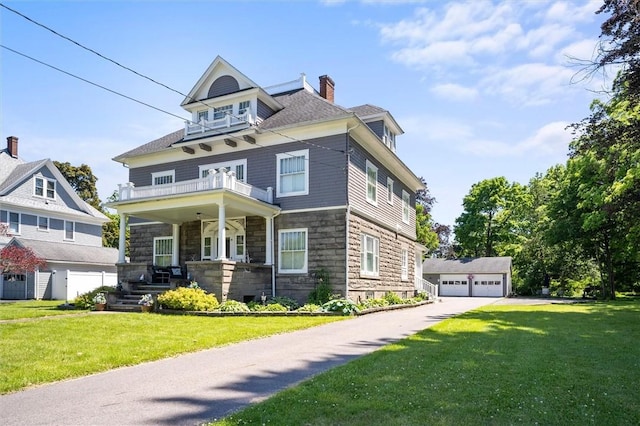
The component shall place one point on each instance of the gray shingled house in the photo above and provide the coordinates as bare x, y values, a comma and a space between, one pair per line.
40, 210
482, 276
264, 188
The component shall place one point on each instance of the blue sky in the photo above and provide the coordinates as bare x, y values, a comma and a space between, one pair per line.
481, 88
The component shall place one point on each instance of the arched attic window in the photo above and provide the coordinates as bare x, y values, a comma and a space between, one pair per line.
223, 86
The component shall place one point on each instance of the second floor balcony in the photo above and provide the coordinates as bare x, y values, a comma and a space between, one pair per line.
216, 179
224, 121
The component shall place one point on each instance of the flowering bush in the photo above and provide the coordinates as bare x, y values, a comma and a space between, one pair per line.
146, 300
99, 299
188, 299
345, 306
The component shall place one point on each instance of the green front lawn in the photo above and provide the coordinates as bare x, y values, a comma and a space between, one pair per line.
49, 349
33, 309
500, 365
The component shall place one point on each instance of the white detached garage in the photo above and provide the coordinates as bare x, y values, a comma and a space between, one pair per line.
476, 277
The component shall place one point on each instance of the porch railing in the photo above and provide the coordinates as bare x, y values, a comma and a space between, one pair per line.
428, 287
228, 120
216, 179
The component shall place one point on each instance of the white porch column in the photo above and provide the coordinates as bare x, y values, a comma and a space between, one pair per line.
222, 235
268, 258
122, 238
176, 245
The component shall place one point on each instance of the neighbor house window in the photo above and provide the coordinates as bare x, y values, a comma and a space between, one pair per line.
237, 166
406, 199
162, 251
369, 255
404, 274
14, 223
390, 191
292, 173
45, 188
69, 230
389, 138
292, 251
43, 223
163, 178
222, 112
372, 183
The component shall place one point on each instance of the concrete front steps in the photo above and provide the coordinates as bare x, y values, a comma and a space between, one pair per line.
129, 302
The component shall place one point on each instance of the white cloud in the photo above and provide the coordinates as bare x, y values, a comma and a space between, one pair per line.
454, 92
550, 140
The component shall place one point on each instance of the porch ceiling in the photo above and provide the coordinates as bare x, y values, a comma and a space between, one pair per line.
178, 209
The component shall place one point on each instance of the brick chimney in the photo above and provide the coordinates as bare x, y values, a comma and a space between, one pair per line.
12, 146
327, 87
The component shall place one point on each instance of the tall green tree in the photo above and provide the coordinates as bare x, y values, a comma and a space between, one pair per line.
82, 180
491, 223
425, 234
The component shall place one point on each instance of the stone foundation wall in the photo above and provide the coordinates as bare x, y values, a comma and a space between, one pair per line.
230, 280
326, 235
390, 266
256, 238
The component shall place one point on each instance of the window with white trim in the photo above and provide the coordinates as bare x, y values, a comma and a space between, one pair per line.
222, 112
372, 183
292, 173
43, 223
292, 251
202, 116
45, 187
389, 138
369, 255
162, 251
69, 230
243, 107
404, 274
406, 201
14, 223
163, 178
390, 191
237, 166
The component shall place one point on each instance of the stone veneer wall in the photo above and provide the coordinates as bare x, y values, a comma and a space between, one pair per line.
141, 240
230, 280
256, 238
326, 235
389, 279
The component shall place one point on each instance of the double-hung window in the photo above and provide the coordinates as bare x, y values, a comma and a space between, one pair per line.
162, 251
45, 188
390, 191
14, 223
163, 178
406, 198
369, 255
43, 223
292, 171
69, 230
389, 138
243, 107
203, 116
372, 183
292, 251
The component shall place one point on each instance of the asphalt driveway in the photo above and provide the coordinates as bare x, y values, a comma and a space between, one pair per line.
194, 388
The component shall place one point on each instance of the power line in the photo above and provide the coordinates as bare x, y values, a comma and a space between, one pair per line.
151, 79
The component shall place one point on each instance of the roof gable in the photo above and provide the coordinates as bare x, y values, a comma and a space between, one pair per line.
221, 78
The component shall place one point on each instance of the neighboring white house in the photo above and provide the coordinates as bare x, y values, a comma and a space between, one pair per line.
479, 277
41, 211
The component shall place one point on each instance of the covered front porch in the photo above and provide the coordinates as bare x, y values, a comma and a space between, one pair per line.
215, 230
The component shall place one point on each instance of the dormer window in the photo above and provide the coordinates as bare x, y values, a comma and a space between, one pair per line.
203, 116
222, 112
389, 138
45, 188
243, 107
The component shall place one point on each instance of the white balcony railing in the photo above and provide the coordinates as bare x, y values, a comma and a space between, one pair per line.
204, 126
426, 286
217, 179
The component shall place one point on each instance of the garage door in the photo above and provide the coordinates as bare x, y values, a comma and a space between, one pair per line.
488, 286
453, 287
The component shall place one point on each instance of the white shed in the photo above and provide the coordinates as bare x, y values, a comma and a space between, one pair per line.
476, 277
